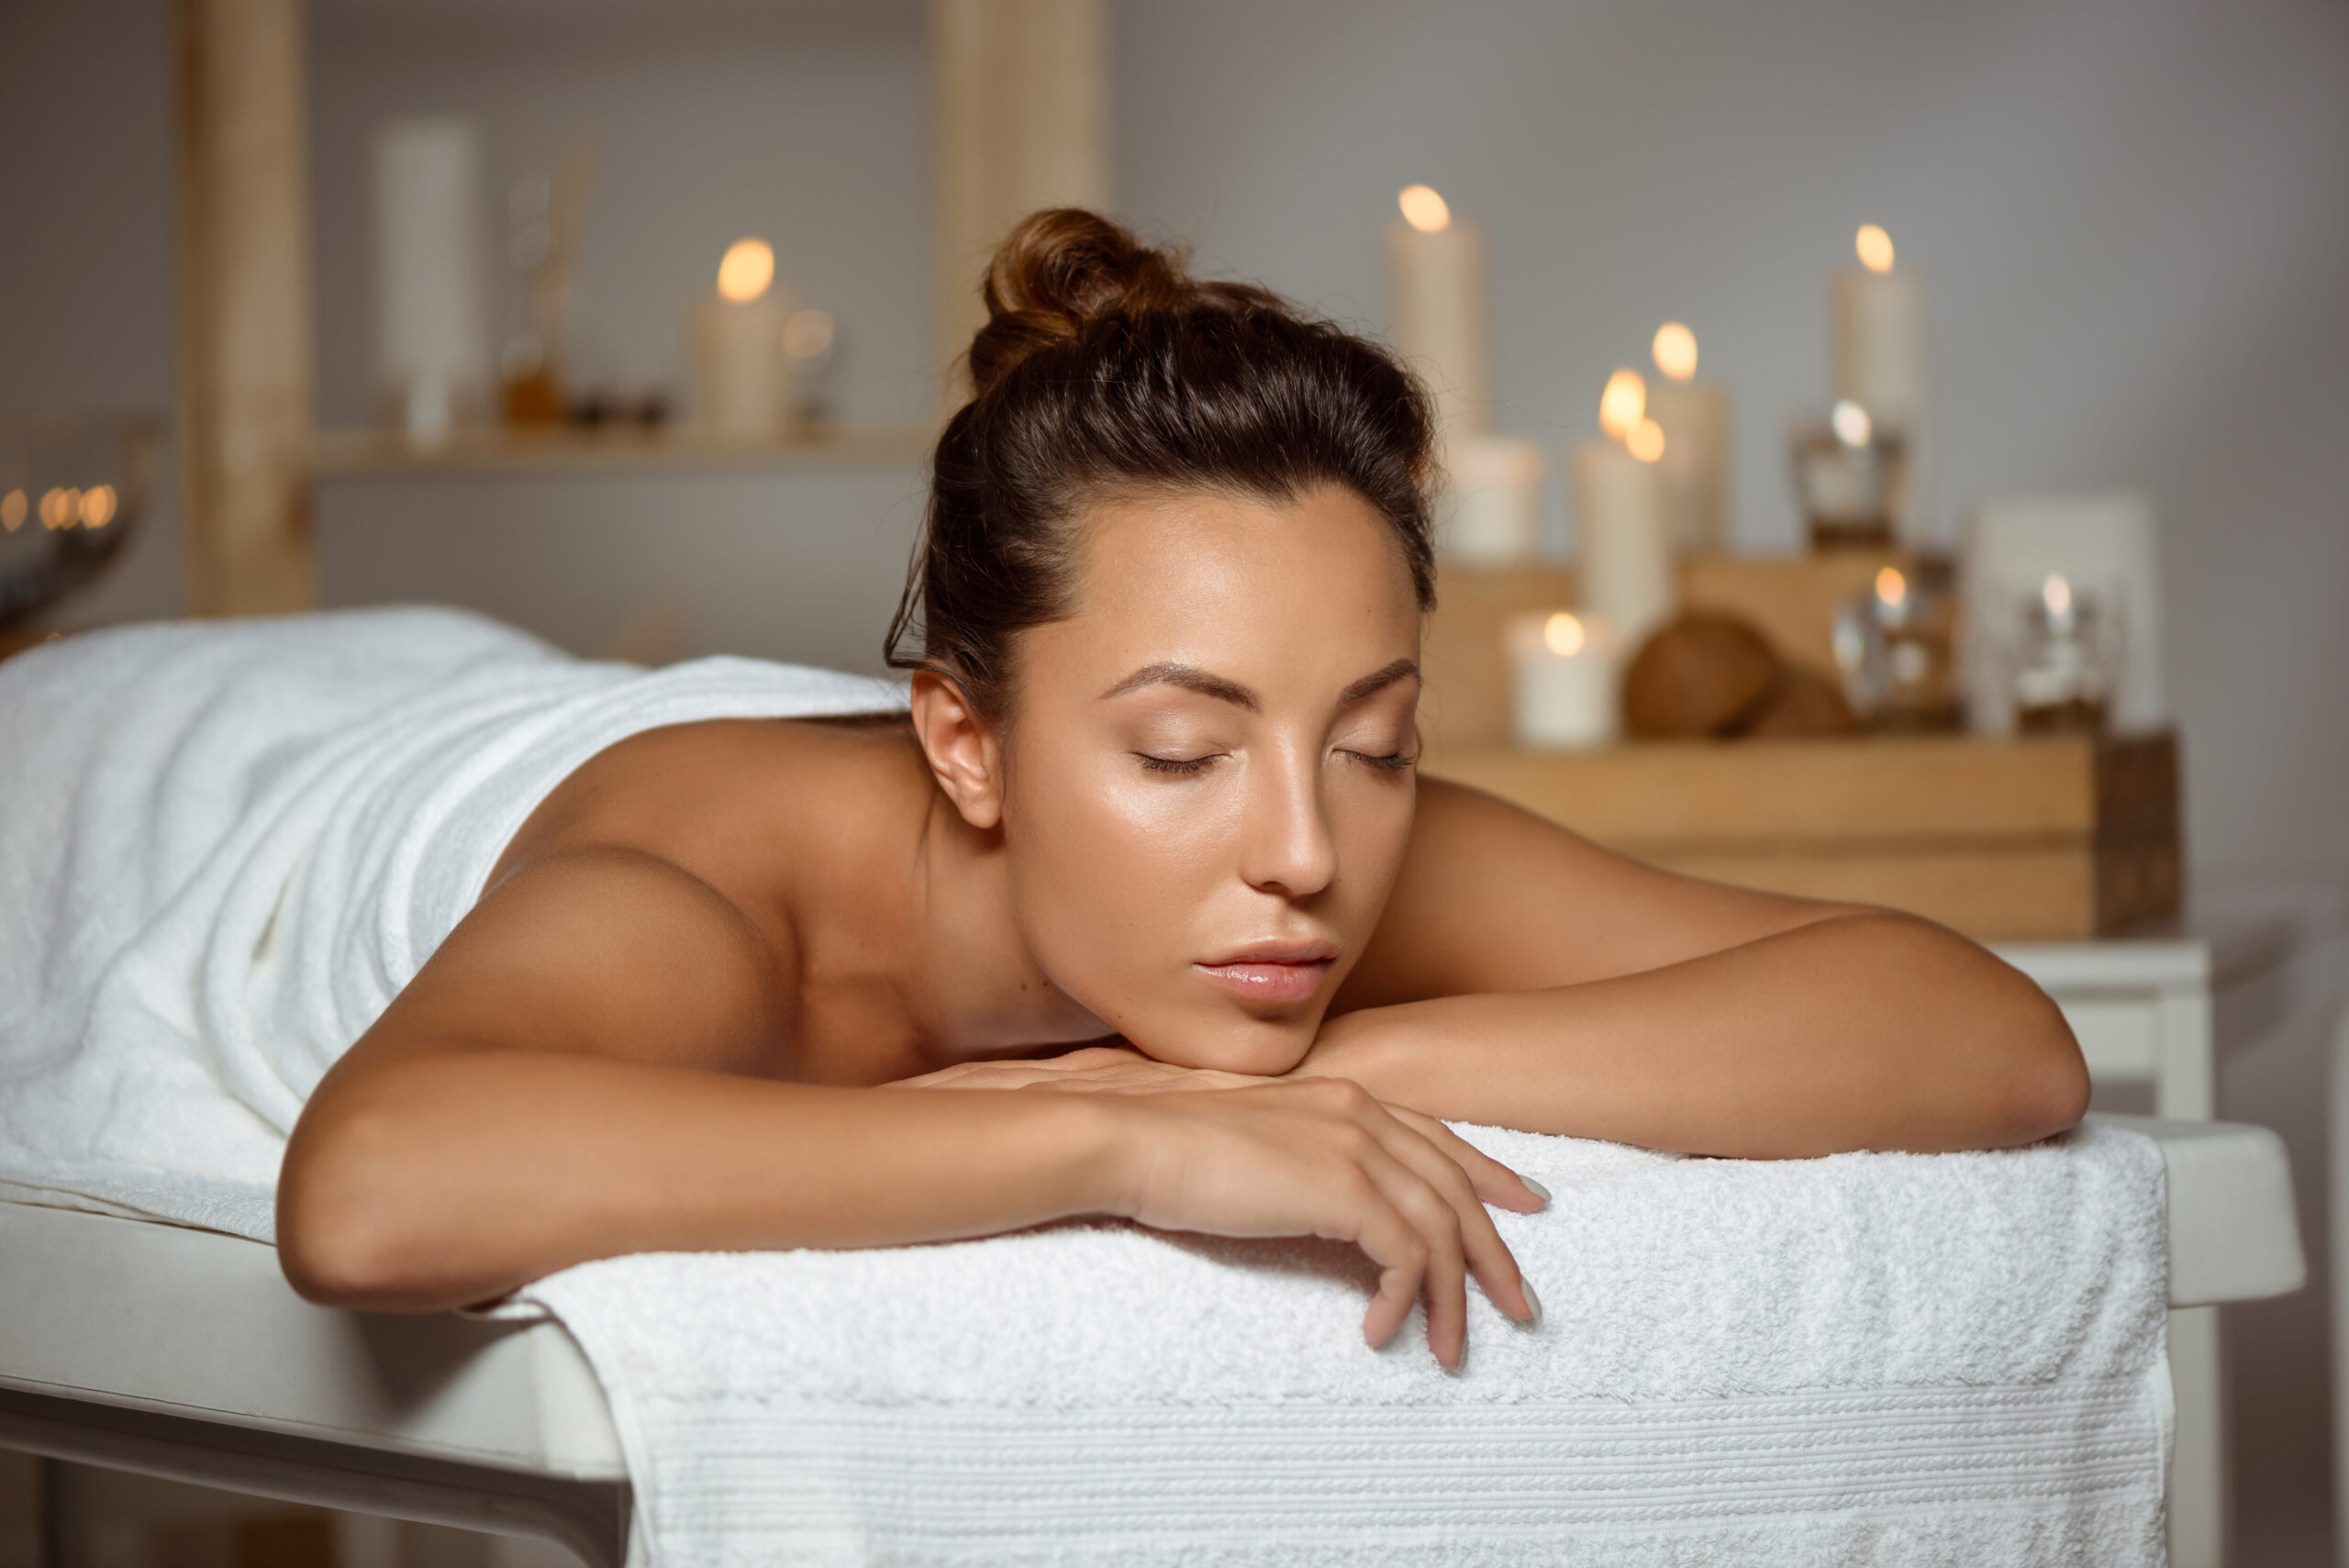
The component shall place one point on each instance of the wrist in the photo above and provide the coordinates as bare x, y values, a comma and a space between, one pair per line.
1110, 1152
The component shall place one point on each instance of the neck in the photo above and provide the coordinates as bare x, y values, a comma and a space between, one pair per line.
974, 989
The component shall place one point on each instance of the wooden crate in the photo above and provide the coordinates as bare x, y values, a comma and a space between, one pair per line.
1791, 598
2043, 838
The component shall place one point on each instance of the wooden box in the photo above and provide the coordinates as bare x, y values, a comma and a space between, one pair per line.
2044, 838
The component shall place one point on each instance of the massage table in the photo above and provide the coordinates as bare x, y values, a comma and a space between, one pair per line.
182, 1353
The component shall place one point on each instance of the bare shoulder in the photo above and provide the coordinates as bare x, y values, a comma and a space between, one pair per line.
1492, 898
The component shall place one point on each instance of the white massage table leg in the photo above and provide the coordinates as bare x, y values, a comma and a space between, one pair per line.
2198, 1470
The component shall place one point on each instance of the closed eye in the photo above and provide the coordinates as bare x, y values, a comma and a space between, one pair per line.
1391, 761
1179, 766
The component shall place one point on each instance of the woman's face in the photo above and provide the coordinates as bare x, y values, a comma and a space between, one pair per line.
1207, 782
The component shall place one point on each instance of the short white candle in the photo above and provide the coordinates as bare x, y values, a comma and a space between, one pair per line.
1566, 681
1881, 364
1622, 539
1695, 418
1492, 504
1435, 281
742, 378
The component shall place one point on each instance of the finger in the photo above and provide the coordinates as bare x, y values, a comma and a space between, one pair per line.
1494, 1182
1431, 1213
1487, 1256
1391, 1243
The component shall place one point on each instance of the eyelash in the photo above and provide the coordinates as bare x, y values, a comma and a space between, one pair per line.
1185, 767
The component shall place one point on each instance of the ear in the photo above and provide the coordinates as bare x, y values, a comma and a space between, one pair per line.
965, 752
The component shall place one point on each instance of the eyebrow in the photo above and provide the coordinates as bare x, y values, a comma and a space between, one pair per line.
1191, 678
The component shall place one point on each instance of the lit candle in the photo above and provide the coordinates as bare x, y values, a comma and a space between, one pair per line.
1880, 364
1620, 529
1566, 685
741, 376
1435, 280
1693, 416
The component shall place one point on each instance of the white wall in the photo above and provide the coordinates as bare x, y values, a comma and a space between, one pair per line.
2135, 218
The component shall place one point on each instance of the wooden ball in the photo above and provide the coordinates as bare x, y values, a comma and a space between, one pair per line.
1804, 703
1705, 673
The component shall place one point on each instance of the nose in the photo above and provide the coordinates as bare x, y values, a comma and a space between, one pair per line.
1287, 848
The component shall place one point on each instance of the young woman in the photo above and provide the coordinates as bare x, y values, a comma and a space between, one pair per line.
748, 984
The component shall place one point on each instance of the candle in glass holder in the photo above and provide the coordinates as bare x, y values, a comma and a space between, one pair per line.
741, 376
1566, 681
1898, 649
1880, 364
1435, 280
1622, 531
1695, 419
1847, 474
2063, 675
1492, 504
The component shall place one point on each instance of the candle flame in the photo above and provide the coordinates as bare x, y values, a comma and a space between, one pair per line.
1874, 247
1675, 350
1623, 403
12, 510
1562, 635
2056, 595
1423, 209
1891, 588
1852, 426
57, 508
97, 506
746, 270
807, 333
1646, 440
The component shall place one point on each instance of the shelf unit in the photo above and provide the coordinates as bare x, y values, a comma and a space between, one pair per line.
385, 455
1018, 107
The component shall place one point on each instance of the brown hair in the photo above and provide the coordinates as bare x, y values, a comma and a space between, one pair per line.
1104, 369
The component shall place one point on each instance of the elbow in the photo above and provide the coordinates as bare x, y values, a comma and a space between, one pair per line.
2045, 1089
338, 1230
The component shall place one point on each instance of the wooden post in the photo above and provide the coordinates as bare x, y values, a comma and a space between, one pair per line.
244, 305
1020, 120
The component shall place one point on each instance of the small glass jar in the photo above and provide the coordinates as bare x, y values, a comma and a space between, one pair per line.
1898, 649
1847, 478
2066, 649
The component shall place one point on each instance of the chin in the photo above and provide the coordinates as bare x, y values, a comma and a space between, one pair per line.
1253, 1046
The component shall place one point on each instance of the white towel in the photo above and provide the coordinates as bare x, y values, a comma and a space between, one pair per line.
225, 847
1870, 1359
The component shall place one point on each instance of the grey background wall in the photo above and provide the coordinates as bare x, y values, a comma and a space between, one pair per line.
2135, 218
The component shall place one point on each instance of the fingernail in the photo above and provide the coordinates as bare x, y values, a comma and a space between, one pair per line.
1525, 1286
1536, 1188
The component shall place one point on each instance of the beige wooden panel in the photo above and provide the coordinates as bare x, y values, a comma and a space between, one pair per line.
1990, 894
244, 304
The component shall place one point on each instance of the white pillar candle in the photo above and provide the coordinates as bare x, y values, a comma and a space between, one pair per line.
1881, 364
741, 376
1622, 539
1435, 281
1695, 418
432, 336
1566, 681
1491, 509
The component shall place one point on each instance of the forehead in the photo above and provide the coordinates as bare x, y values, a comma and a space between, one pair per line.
1199, 564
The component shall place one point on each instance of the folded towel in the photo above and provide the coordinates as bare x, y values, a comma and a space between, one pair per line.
227, 846
1873, 1358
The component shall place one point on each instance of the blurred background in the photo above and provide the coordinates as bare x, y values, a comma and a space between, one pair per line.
2131, 219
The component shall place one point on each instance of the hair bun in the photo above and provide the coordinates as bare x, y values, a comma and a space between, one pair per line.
1060, 271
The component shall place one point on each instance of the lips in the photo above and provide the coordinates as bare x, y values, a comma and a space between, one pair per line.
1272, 971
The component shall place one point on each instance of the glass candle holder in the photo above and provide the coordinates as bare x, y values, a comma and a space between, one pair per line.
2066, 648
1847, 476
71, 489
1896, 647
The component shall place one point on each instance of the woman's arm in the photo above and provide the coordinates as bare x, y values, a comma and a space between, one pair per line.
555, 1086
1523, 976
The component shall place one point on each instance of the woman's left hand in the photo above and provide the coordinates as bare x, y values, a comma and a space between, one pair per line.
1097, 1069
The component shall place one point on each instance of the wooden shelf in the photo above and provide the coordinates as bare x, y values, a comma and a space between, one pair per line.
381, 455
